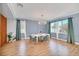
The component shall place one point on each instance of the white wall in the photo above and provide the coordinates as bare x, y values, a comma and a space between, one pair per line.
11, 26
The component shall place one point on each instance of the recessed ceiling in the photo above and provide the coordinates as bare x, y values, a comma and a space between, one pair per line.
43, 11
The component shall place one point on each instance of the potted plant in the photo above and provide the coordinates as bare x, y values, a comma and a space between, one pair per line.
10, 36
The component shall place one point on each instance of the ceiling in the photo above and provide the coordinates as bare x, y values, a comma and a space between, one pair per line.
43, 11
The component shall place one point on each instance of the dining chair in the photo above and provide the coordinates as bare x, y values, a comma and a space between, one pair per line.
34, 39
46, 38
41, 38
30, 37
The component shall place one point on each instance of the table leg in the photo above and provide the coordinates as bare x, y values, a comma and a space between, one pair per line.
37, 40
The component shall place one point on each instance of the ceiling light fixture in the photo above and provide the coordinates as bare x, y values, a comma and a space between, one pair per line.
42, 21
42, 15
20, 5
39, 22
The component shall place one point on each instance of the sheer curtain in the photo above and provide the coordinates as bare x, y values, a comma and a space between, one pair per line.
59, 29
23, 29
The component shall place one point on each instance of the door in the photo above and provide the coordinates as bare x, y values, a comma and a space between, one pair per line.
0, 29
3, 30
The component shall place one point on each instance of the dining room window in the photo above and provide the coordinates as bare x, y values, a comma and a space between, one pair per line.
23, 29
59, 29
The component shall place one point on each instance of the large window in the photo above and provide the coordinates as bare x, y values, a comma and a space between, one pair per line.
23, 29
59, 29
54, 27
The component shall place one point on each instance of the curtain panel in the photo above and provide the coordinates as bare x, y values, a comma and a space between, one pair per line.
70, 31
18, 32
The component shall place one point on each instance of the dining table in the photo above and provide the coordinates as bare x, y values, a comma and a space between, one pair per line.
38, 35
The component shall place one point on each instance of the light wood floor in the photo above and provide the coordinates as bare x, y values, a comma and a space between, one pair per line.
28, 48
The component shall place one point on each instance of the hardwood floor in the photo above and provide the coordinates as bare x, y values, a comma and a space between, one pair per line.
28, 48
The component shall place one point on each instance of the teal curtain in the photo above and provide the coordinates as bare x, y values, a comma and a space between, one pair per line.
49, 29
70, 31
18, 32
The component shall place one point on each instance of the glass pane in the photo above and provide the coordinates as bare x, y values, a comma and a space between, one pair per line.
56, 27
23, 29
59, 26
52, 27
65, 26
59, 29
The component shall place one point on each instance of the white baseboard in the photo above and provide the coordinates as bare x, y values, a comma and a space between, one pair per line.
77, 43
27, 38
58, 39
